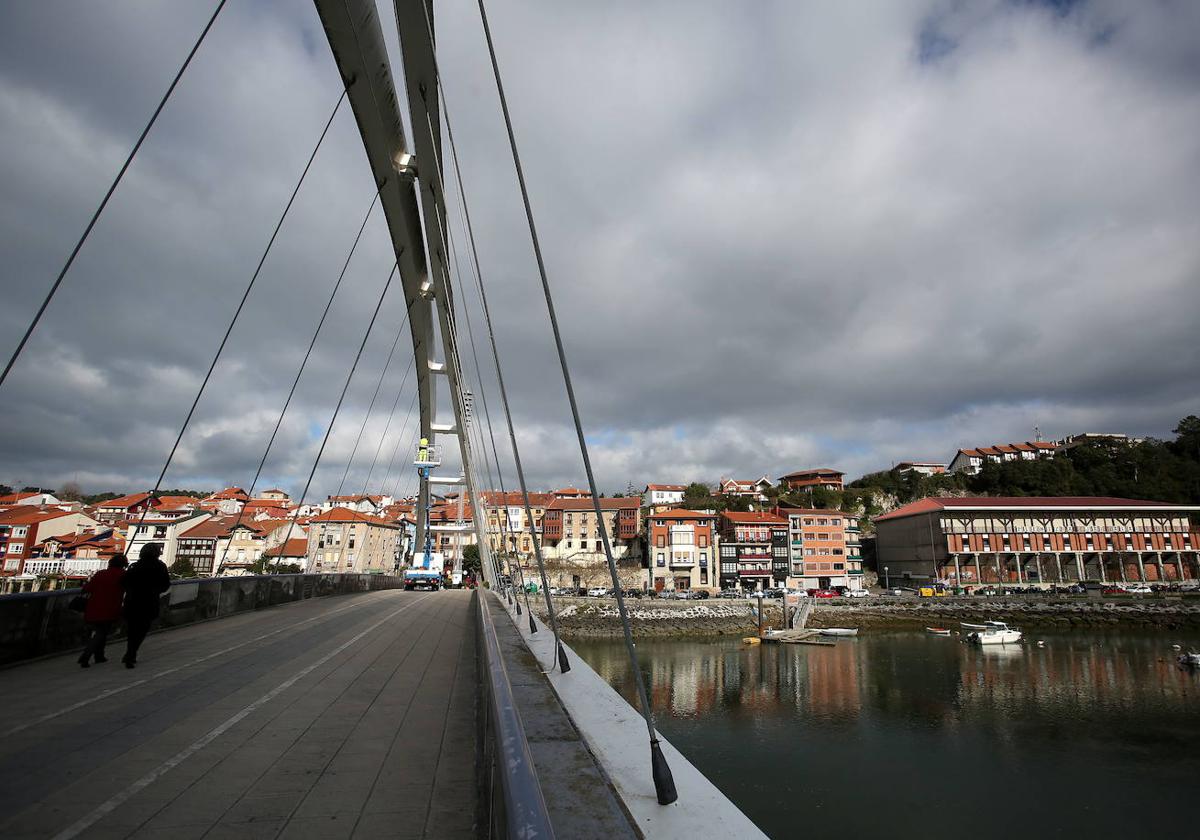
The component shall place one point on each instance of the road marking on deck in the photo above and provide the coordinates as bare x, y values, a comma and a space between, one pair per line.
84, 823
113, 691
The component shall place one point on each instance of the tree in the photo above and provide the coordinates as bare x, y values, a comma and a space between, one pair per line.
70, 492
470, 560
182, 567
5, 490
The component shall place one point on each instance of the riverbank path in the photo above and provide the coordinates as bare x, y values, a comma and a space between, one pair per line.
337, 717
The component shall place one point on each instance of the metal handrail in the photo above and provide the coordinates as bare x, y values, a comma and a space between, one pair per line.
521, 810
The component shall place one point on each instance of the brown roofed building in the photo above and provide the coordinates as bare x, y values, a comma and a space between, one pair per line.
342, 540
571, 541
682, 547
803, 480
1028, 540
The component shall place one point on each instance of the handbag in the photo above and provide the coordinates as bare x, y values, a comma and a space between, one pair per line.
78, 603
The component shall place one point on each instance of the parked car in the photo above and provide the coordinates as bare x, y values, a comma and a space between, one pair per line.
1138, 589
729, 593
597, 592
1112, 590
681, 594
893, 591
798, 593
856, 593
1076, 589
824, 593
699, 594
773, 593
633, 593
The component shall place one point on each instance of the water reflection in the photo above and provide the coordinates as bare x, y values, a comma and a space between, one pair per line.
907, 720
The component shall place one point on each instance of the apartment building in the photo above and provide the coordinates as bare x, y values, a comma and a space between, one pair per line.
164, 530
753, 550
682, 546
506, 519
1039, 540
573, 548
24, 526
341, 540
823, 548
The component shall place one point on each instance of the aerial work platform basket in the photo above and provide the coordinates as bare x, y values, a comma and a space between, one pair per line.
427, 455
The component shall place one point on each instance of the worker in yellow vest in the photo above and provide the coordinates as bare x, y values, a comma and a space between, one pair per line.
423, 450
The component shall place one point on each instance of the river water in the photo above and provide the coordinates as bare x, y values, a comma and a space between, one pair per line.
902, 734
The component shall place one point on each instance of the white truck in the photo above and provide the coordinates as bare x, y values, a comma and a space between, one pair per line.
422, 575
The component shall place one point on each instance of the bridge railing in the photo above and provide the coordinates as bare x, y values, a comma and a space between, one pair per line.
516, 807
38, 623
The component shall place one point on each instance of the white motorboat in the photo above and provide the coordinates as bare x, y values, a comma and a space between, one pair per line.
994, 633
1190, 660
839, 631
967, 626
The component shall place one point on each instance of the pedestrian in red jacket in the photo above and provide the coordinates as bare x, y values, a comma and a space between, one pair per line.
103, 608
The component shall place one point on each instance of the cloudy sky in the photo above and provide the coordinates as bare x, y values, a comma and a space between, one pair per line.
805, 234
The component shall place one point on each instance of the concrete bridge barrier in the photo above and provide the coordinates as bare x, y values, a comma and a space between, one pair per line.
38, 623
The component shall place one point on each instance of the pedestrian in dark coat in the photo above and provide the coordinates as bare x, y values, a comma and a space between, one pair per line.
145, 581
103, 608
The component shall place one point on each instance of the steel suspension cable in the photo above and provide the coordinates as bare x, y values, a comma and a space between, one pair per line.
299, 373
561, 657
342, 397
370, 408
241, 305
111, 189
487, 416
664, 783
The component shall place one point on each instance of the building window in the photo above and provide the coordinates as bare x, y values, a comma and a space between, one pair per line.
660, 559
660, 541
15, 548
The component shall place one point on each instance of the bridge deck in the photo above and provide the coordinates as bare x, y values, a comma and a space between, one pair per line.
338, 717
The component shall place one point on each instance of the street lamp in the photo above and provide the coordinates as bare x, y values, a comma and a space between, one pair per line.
886, 585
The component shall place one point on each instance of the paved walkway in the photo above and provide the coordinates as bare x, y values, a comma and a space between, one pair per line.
348, 716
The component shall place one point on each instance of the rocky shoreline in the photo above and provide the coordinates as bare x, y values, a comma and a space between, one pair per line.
598, 618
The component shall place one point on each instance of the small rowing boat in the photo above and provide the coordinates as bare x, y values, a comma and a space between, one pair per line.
937, 631
839, 631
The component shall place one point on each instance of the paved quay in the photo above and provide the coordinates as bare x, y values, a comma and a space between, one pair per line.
349, 716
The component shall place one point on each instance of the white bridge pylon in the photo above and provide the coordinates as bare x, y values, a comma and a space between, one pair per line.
356, 40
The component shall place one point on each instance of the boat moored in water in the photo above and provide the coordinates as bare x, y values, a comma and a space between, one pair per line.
839, 631
937, 631
1190, 659
994, 633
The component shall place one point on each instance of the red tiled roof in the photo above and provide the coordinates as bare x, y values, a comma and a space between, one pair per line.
588, 504
15, 498
230, 493
932, 504
343, 515
493, 498
292, 548
124, 501
820, 471
176, 502
29, 515
672, 487
754, 517
215, 527
682, 513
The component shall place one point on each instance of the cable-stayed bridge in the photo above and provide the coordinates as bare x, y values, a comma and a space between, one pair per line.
371, 712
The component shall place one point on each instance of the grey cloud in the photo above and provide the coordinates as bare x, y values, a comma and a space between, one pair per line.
776, 239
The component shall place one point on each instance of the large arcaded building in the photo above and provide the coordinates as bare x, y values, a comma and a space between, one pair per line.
1024, 540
